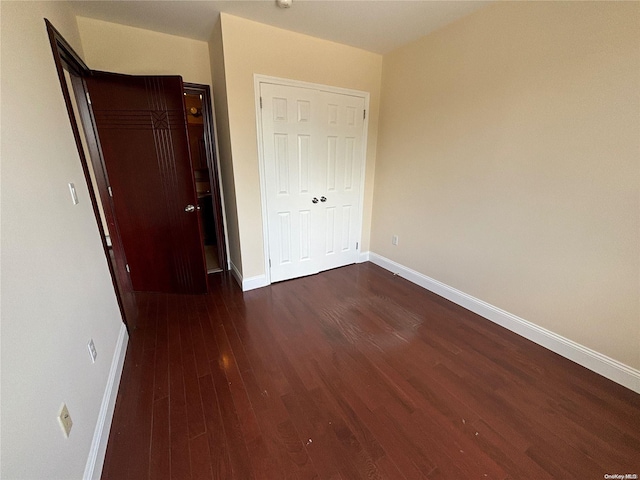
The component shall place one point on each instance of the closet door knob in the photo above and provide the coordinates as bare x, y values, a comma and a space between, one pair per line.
189, 208
314, 200
323, 199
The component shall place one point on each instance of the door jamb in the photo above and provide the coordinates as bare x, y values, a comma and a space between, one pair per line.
259, 79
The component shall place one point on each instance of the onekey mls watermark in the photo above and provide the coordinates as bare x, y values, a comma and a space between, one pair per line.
621, 476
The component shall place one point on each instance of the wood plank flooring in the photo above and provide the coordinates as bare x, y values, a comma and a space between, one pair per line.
355, 374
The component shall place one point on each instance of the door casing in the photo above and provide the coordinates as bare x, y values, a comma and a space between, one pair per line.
258, 79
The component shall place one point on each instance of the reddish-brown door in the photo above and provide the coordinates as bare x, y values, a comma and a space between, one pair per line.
141, 127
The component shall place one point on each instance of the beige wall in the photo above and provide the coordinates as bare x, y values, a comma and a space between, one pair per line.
509, 165
56, 288
134, 51
250, 48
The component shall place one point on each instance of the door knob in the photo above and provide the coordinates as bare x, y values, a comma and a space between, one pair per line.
323, 199
189, 208
314, 200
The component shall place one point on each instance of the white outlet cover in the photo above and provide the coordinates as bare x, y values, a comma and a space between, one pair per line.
92, 350
65, 420
74, 195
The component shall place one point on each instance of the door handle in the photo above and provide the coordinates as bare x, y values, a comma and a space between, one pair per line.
323, 199
189, 208
314, 200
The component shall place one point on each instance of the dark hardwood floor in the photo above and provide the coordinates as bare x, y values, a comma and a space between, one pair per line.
355, 373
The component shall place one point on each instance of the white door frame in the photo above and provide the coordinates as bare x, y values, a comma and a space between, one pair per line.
259, 79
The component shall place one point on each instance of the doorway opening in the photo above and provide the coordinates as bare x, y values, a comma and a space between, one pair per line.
205, 171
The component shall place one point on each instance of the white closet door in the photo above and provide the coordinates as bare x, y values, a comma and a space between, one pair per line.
291, 146
313, 166
340, 177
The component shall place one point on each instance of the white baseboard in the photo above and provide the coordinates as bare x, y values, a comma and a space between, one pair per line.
588, 358
363, 257
236, 273
250, 283
95, 461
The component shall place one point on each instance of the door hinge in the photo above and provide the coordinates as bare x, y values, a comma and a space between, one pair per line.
357, 245
127, 267
110, 192
88, 98
364, 114
260, 102
269, 263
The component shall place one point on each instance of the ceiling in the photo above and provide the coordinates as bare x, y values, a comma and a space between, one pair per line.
375, 25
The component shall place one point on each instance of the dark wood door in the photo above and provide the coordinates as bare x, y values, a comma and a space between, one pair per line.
141, 127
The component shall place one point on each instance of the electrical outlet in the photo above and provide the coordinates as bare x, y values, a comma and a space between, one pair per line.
394, 240
65, 420
92, 350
